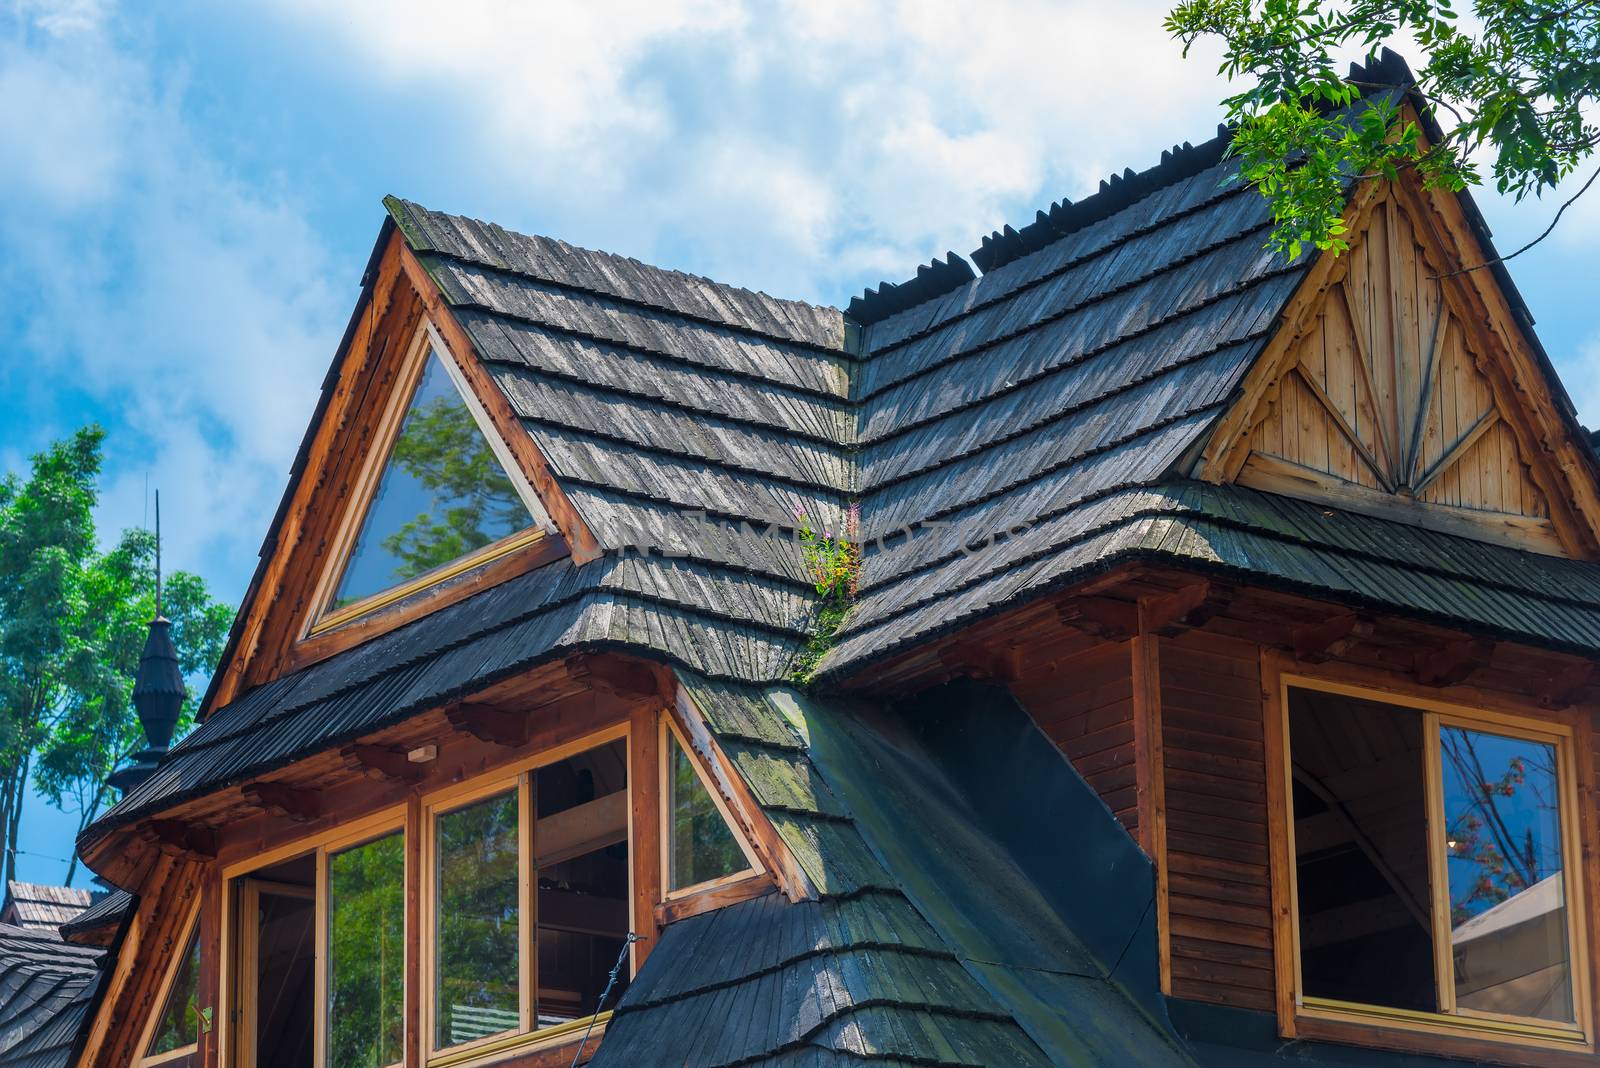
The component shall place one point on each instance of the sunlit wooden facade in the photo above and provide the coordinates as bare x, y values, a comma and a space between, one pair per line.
1219, 686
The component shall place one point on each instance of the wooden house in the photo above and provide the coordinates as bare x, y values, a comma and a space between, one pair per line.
1219, 687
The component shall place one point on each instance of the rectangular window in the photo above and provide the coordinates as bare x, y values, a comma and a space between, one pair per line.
315, 975
366, 954
1430, 851
477, 913
531, 900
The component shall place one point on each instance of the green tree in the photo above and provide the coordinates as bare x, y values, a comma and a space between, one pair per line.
72, 624
1510, 84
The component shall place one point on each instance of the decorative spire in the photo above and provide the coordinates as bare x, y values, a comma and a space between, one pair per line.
158, 689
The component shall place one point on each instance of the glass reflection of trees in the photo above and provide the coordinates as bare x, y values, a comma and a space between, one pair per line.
179, 1025
442, 495
702, 847
1502, 818
477, 981
366, 982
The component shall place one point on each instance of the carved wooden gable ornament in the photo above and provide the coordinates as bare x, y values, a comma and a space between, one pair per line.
1392, 389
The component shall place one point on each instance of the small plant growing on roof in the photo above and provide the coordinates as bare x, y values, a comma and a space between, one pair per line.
833, 561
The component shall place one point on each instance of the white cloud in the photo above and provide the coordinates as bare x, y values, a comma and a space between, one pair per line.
788, 145
193, 312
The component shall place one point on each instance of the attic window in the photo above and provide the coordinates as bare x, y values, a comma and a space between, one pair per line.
1434, 871
701, 848
175, 1034
446, 496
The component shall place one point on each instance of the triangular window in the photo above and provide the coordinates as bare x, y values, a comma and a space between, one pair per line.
178, 1027
442, 499
701, 847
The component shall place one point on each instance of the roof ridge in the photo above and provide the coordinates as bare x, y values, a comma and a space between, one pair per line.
412, 217
1116, 192
933, 279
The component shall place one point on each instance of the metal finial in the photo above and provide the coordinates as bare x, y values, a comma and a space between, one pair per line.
158, 554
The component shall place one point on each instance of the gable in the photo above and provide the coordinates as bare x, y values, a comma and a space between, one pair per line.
400, 320
437, 495
1388, 390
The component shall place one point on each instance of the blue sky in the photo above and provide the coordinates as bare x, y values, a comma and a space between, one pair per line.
189, 191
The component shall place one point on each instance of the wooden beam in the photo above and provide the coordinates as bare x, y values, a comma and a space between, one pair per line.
979, 661
1150, 778
1349, 432
1430, 376
381, 762
488, 723
1193, 605
1564, 688
622, 677
581, 829
1102, 617
1485, 423
177, 837
1452, 663
282, 800
1320, 641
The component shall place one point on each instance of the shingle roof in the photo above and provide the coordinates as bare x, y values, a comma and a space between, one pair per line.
41, 908
107, 912
1037, 411
46, 986
893, 961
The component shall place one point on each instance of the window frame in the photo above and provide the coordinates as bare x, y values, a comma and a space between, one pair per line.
753, 869
231, 1029
1296, 1008
515, 775
144, 1059
425, 342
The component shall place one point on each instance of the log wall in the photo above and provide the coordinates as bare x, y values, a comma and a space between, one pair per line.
1084, 703
1217, 864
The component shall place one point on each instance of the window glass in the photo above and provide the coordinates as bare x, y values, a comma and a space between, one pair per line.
179, 1025
366, 941
1361, 853
1415, 829
700, 845
1508, 910
476, 981
581, 850
442, 495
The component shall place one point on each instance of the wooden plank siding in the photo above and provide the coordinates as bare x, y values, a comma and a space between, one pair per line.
1218, 872
1084, 704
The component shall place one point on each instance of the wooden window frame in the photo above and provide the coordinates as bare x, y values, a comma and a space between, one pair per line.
513, 776
753, 871
234, 948
425, 343
147, 1035
1471, 1033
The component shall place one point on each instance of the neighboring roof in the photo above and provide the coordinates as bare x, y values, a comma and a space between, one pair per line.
46, 986
109, 911
903, 957
40, 908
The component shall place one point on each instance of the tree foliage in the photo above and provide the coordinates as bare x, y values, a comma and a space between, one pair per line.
1515, 83
72, 623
